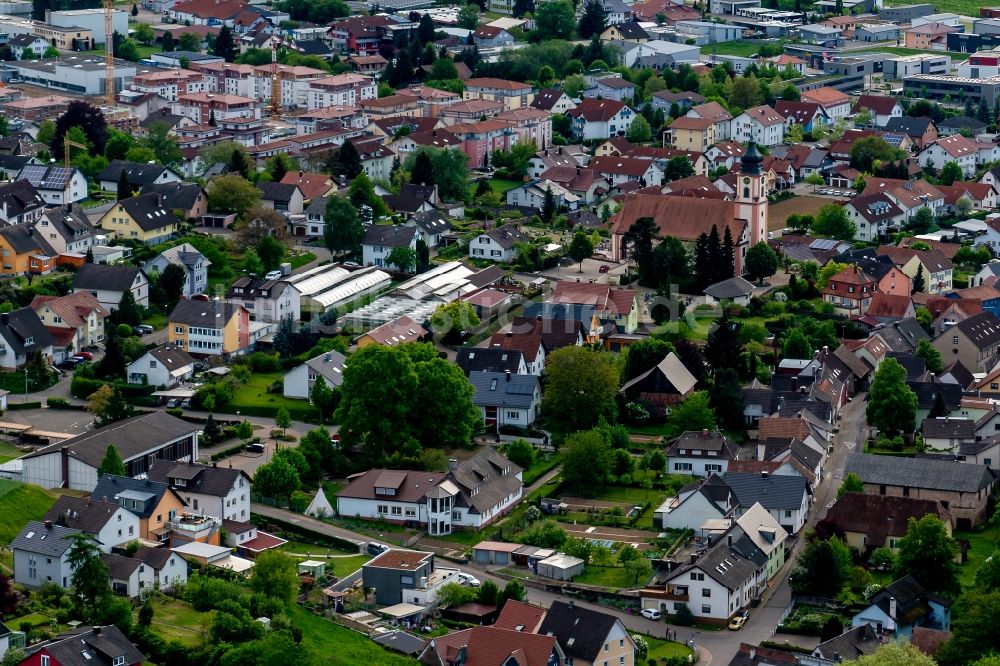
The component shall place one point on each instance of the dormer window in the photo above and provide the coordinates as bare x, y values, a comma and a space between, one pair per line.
180, 482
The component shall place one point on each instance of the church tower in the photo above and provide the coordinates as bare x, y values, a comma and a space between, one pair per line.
751, 194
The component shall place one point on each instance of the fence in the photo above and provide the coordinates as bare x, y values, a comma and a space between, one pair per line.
784, 616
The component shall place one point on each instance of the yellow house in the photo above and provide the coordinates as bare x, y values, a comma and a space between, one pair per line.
697, 134
209, 328
141, 218
24, 251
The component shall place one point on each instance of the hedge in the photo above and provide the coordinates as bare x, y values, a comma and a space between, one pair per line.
225, 453
61, 403
15, 406
307, 414
303, 531
84, 387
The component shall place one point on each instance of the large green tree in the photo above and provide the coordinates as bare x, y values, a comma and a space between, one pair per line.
927, 553
592, 21
894, 654
892, 405
975, 617
638, 242
554, 20
581, 247
761, 261
586, 461
695, 413
111, 463
581, 388
868, 153
232, 193
832, 221
90, 575
275, 575
823, 568
277, 479
342, 230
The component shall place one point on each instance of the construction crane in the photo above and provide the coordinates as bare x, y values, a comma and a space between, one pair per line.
109, 56
275, 79
67, 144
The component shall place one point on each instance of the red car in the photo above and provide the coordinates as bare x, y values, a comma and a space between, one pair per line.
85, 355
604, 268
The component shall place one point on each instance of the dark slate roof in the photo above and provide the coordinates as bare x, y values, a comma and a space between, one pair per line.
546, 98
90, 646
172, 356
725, 564
948, 428
914, 365
982, 329
911, 600
491, 360
400, 641
389, 235
960, 373
927, 394
773, 492
503, 390
807, 454
754, 655
146, 211
23, 239
793, 404
632, 30
216, 481
732, 288
19, 197
119, 566
103, 276
37, 538
580, 631
14, 162
138, 173
963, 122
913, 473
82, 513
850, 645
703, 440
316, 47
72, 223
507, 236
182, 196
271, 191
110, 486
431, 222
19, 326
209, 314
132, 437
914, 127
4, 631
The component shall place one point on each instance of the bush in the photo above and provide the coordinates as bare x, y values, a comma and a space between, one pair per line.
15, 406
176, 411
261, 362
58, 403
684, 617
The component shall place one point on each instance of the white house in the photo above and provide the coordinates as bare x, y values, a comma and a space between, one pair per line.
57, 185
129, 576
166, 365
104, 519
41, 553
701, 453
497, 244
835, 104
381, 239
266, 300
327, 367
874, 216
766, 533
761, 124
22, 332
109, 283
882, 108
785, 497
192, 262
469, 495
532, 195
600, 119
955, 148
622, 169
27, 47
219, 492
696, 503
991, 237
506, 398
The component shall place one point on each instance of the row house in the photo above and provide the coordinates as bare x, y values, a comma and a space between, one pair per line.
227, 78
482, 138
170, 83
389, 107
294, 82
329, 117
362, 35
345, 90
237, 118
512, 94
979, 195
303, 144
721, 119
530, 126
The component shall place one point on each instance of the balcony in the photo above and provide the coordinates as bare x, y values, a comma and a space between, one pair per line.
193, 526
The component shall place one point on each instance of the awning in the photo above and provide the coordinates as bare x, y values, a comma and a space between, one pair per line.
399, 611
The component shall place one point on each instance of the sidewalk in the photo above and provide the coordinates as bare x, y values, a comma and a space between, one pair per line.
312, 524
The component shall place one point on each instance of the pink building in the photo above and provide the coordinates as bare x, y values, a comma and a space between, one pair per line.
482, 138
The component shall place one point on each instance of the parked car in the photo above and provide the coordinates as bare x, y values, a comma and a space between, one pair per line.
737, 622
255, 448
69, 364
200, 297
273, 275
468, 579
650, 613
85, 355
376, 548
142, 329
173, 402
186, 403
604, 268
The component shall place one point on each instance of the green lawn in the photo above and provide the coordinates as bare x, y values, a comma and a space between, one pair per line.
963, 7
501, 186
8, 451
981, 545
547, 490
157, 320
540, 467
615, 577
254, 395
19, 503
338, 562
737, 48
635, 496
322, 639
298, 259
899, 50
34, 619
661, 649
176, 619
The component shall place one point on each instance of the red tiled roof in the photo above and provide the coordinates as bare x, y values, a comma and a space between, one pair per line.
683, 217
501, 84
781, 427
596, 110
888, 305
263, 541
629, 166
312, 185
825, 97
489, 646
877, 104
519, 614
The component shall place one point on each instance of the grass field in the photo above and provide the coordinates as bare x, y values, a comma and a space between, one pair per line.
661, 649
501, 186
322, 639
20, 503
8, 451
175, 619
982, 544
338, 563
779, 212
298, 259
737, 48
964, 7
539, 468
34, 619
615, 577
254, 394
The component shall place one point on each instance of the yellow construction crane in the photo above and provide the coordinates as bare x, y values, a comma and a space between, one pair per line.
109, 56
67, 144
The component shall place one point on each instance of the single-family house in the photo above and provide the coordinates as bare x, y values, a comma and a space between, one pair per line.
57, 185
381, 239
701, 453
20, 203
209, 328
221, 493
75, 321
190, 260
104, 519
600, 119
281, 197
667, 383
327, 368
102, 645
835, 104
165, 365
22, 333
973, 341
588, 637
882, 108
41, 554
786, 497
137, 174
497, 244
25, 252
266, 300
850, 291
903, 605
956, 148
760, 124
506, 399
696, 504
109, 283
140, 218
155, 504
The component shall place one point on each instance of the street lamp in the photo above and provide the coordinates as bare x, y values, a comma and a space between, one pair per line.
24, 398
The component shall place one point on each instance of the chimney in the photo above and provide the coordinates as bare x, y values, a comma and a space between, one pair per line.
572, 605
694, 557
704, 432
48, 524
452, 464
508, 375
763, 475
510, 334
892, 608
215, 464
97, 631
